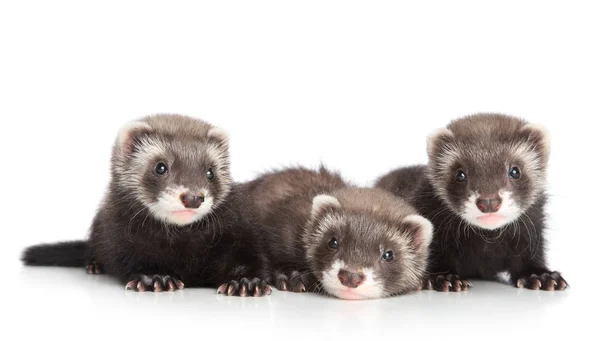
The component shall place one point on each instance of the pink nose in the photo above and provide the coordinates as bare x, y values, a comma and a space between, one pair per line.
350, 279
191, 201
489, 203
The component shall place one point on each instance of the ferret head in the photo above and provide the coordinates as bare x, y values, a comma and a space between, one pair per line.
488, 168
355, 255
176, 166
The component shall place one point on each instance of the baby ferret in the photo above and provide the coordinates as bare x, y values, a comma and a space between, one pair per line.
484, 191
171, 216
321, 234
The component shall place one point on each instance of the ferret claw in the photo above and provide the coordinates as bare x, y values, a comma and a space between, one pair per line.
290, 282
222, 288
131, 285
244, 287
447, 283
548, 281
94, 269
156, 283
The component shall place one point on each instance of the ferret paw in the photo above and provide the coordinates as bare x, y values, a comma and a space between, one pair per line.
94, 269
291, 282
245, 287
548, 281
156, 283
446, 283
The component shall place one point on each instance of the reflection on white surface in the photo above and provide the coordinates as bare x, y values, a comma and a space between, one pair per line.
72, 302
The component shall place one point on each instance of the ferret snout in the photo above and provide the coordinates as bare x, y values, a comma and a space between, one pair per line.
192, 201
350, 279
489, 203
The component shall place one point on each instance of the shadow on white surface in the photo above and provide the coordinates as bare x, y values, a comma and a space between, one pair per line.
58, 298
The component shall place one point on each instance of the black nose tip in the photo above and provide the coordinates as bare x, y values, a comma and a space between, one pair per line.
350, 279
192, 201
489, 204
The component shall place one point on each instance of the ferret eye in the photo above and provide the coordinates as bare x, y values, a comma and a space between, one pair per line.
209, 174
514, 173
161, 168
333, 244
460, 176
388, 256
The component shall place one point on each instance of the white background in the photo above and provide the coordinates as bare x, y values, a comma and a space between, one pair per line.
356, 85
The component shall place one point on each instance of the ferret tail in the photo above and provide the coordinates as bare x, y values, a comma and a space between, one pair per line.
69, 254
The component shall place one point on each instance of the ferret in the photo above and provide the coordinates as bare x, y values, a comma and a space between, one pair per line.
484, 192
323, 235
172, 215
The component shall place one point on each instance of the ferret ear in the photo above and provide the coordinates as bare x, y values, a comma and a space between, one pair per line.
436, 141
538, 136
322, 203
129, 133
219, 136
422, 230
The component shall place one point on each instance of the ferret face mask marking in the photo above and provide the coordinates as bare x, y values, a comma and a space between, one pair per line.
490, 181
180, 179
356, 257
